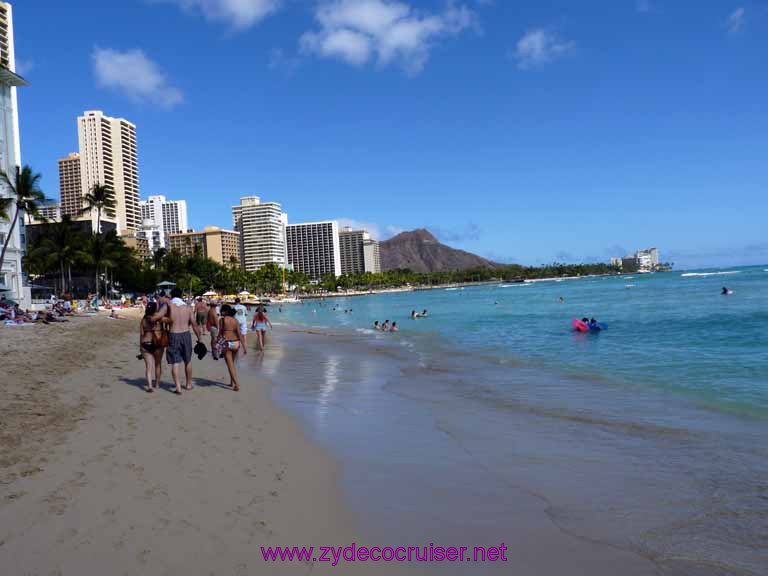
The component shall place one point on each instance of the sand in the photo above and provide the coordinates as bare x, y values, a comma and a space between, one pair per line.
99, 477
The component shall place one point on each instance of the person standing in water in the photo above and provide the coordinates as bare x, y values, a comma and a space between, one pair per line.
232, 341
260, 323
179, 339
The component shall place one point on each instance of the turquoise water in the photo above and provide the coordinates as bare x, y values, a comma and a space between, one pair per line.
671, 332
491, 419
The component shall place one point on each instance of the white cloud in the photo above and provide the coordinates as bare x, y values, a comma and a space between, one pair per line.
736, 20
376, 231
238, 13
24, 66
538, 47
132, 73
373, 229
358, 31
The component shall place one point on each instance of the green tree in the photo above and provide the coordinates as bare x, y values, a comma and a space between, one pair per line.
102, 199
65, 246
25, 195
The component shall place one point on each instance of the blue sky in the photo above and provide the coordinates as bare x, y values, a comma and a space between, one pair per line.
523, 131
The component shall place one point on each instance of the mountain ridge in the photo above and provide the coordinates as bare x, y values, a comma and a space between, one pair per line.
420, 251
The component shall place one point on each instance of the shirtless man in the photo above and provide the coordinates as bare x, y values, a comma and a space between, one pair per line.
201, 313
179, 339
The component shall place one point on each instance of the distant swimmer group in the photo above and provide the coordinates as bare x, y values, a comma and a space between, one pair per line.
422, 314
386, 326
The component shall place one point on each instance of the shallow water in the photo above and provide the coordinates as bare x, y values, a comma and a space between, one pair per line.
648, 438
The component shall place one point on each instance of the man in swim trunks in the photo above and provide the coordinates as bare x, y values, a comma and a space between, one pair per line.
179, 339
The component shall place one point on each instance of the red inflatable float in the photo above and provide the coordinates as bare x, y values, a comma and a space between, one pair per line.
580, 326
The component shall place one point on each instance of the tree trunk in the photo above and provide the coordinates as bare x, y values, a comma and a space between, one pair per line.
8, 237
63, 278
98, 221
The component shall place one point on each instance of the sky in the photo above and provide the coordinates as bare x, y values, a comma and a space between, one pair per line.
524, 131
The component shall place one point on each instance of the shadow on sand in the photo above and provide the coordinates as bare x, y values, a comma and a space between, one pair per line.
140, 383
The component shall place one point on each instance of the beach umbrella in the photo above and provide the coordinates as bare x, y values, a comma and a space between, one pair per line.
210, 293
166, 284
244, 293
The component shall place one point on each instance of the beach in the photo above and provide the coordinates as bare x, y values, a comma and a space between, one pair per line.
345, 435
99, 477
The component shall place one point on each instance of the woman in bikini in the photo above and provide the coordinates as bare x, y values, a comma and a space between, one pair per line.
260, 323
149, 340
232, 341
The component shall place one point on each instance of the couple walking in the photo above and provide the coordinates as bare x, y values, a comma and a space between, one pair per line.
165, 327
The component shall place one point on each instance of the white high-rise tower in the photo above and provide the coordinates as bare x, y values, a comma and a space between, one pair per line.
166, 216
11, 279
262, 232
108, 157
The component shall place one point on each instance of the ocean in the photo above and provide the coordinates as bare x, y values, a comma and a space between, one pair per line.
647, 438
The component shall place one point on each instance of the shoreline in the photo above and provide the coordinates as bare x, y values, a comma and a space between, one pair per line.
556, 477
421, 288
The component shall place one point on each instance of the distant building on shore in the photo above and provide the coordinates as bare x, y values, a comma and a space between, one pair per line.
11, 277
160, 218
359, 252
108, 157
313, 248
262, 232
222, 246
641, 261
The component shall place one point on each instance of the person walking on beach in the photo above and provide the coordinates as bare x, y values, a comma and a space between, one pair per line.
179, 339
150, 334
231, 341
260, 323
241, 315
212, 323
201, 314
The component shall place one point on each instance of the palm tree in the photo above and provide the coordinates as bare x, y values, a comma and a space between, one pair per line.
64, 244
102, 199
25, 193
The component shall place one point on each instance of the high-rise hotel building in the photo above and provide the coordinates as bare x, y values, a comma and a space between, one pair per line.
11, 279
108, 157
359, 252
164, 216
70, 185
313, 248
262, 232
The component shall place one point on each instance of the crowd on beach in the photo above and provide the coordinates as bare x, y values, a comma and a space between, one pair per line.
11, 314
167, 326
